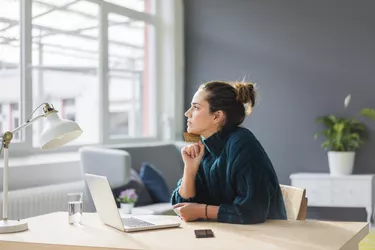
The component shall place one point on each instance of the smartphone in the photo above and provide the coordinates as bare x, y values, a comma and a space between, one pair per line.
204, 233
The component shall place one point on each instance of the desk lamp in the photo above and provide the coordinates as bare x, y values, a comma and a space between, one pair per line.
56, 133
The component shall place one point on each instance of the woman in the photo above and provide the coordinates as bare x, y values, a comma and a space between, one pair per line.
227, 176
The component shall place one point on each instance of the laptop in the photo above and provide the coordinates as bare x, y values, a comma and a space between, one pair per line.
109, 214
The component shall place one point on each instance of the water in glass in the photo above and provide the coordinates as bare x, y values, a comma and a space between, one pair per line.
75, 208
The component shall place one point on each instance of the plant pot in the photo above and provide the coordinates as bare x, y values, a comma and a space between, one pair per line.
341, 163
126, 208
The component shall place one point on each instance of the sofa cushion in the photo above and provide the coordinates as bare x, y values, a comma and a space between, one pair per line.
135, 182
165, 156
107, 162
155, 183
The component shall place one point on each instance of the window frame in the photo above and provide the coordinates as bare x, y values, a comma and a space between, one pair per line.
168, 23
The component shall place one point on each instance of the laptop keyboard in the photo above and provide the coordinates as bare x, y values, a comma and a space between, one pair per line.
134, 222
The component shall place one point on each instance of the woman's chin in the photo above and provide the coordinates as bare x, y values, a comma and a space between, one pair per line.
191, 130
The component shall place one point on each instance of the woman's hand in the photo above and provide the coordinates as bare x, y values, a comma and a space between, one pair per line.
192, 156
190, 211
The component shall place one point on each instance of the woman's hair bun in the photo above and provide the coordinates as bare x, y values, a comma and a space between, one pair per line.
245, 92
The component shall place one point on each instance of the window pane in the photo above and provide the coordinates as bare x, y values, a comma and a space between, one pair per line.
147, 6
131, 83
88, 8
10, 83
58, 3
65, 61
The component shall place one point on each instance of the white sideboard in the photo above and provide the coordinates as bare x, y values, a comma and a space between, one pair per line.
324, 190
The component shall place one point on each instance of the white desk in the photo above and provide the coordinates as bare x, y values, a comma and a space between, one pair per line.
324, 190
52, 231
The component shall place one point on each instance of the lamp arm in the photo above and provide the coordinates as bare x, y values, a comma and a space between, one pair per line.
47, 109
26, 124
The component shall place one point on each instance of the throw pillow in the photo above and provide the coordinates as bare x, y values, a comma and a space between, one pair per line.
155, 183
135, 182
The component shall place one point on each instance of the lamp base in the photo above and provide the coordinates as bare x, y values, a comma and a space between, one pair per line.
12, 226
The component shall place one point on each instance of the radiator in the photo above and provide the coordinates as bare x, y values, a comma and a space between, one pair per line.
36, 201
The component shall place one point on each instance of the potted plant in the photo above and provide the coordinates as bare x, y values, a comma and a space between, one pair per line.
343, 137
127, 199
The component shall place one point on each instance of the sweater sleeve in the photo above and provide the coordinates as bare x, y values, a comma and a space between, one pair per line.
250, 181
200, 193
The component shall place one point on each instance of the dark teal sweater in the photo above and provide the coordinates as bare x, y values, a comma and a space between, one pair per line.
236, 174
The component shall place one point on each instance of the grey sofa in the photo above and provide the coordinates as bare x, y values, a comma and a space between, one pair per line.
116, 163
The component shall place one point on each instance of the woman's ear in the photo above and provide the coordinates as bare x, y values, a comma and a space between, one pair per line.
219, 116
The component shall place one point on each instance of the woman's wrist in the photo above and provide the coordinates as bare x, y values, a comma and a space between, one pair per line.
206, 212
209, 212
202, 211
189, 173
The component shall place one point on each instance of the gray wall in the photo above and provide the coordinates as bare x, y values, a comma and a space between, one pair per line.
305, 57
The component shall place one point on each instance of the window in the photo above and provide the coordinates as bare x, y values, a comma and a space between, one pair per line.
130, 79
139, 5
1, 119
69, 102
16, 125
16, 122
104, 64
119, 123
71, 117
65, 62
68, 109
14, 106
10, 91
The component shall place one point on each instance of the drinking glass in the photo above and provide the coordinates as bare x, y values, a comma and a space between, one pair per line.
75, 207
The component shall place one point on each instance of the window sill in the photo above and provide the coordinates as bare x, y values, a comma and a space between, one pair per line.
71, 156
41, 159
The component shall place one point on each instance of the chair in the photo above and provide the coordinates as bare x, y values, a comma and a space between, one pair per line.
295, 202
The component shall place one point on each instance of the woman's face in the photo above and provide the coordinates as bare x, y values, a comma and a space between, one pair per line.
200, 121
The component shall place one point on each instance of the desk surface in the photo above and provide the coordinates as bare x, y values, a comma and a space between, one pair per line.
54, 232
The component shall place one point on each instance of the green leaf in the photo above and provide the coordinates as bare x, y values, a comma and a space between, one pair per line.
355, 137
326, 145
369, 113
341, 134
316, 135
339, 127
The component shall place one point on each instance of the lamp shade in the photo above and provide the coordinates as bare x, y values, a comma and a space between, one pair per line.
58, 132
